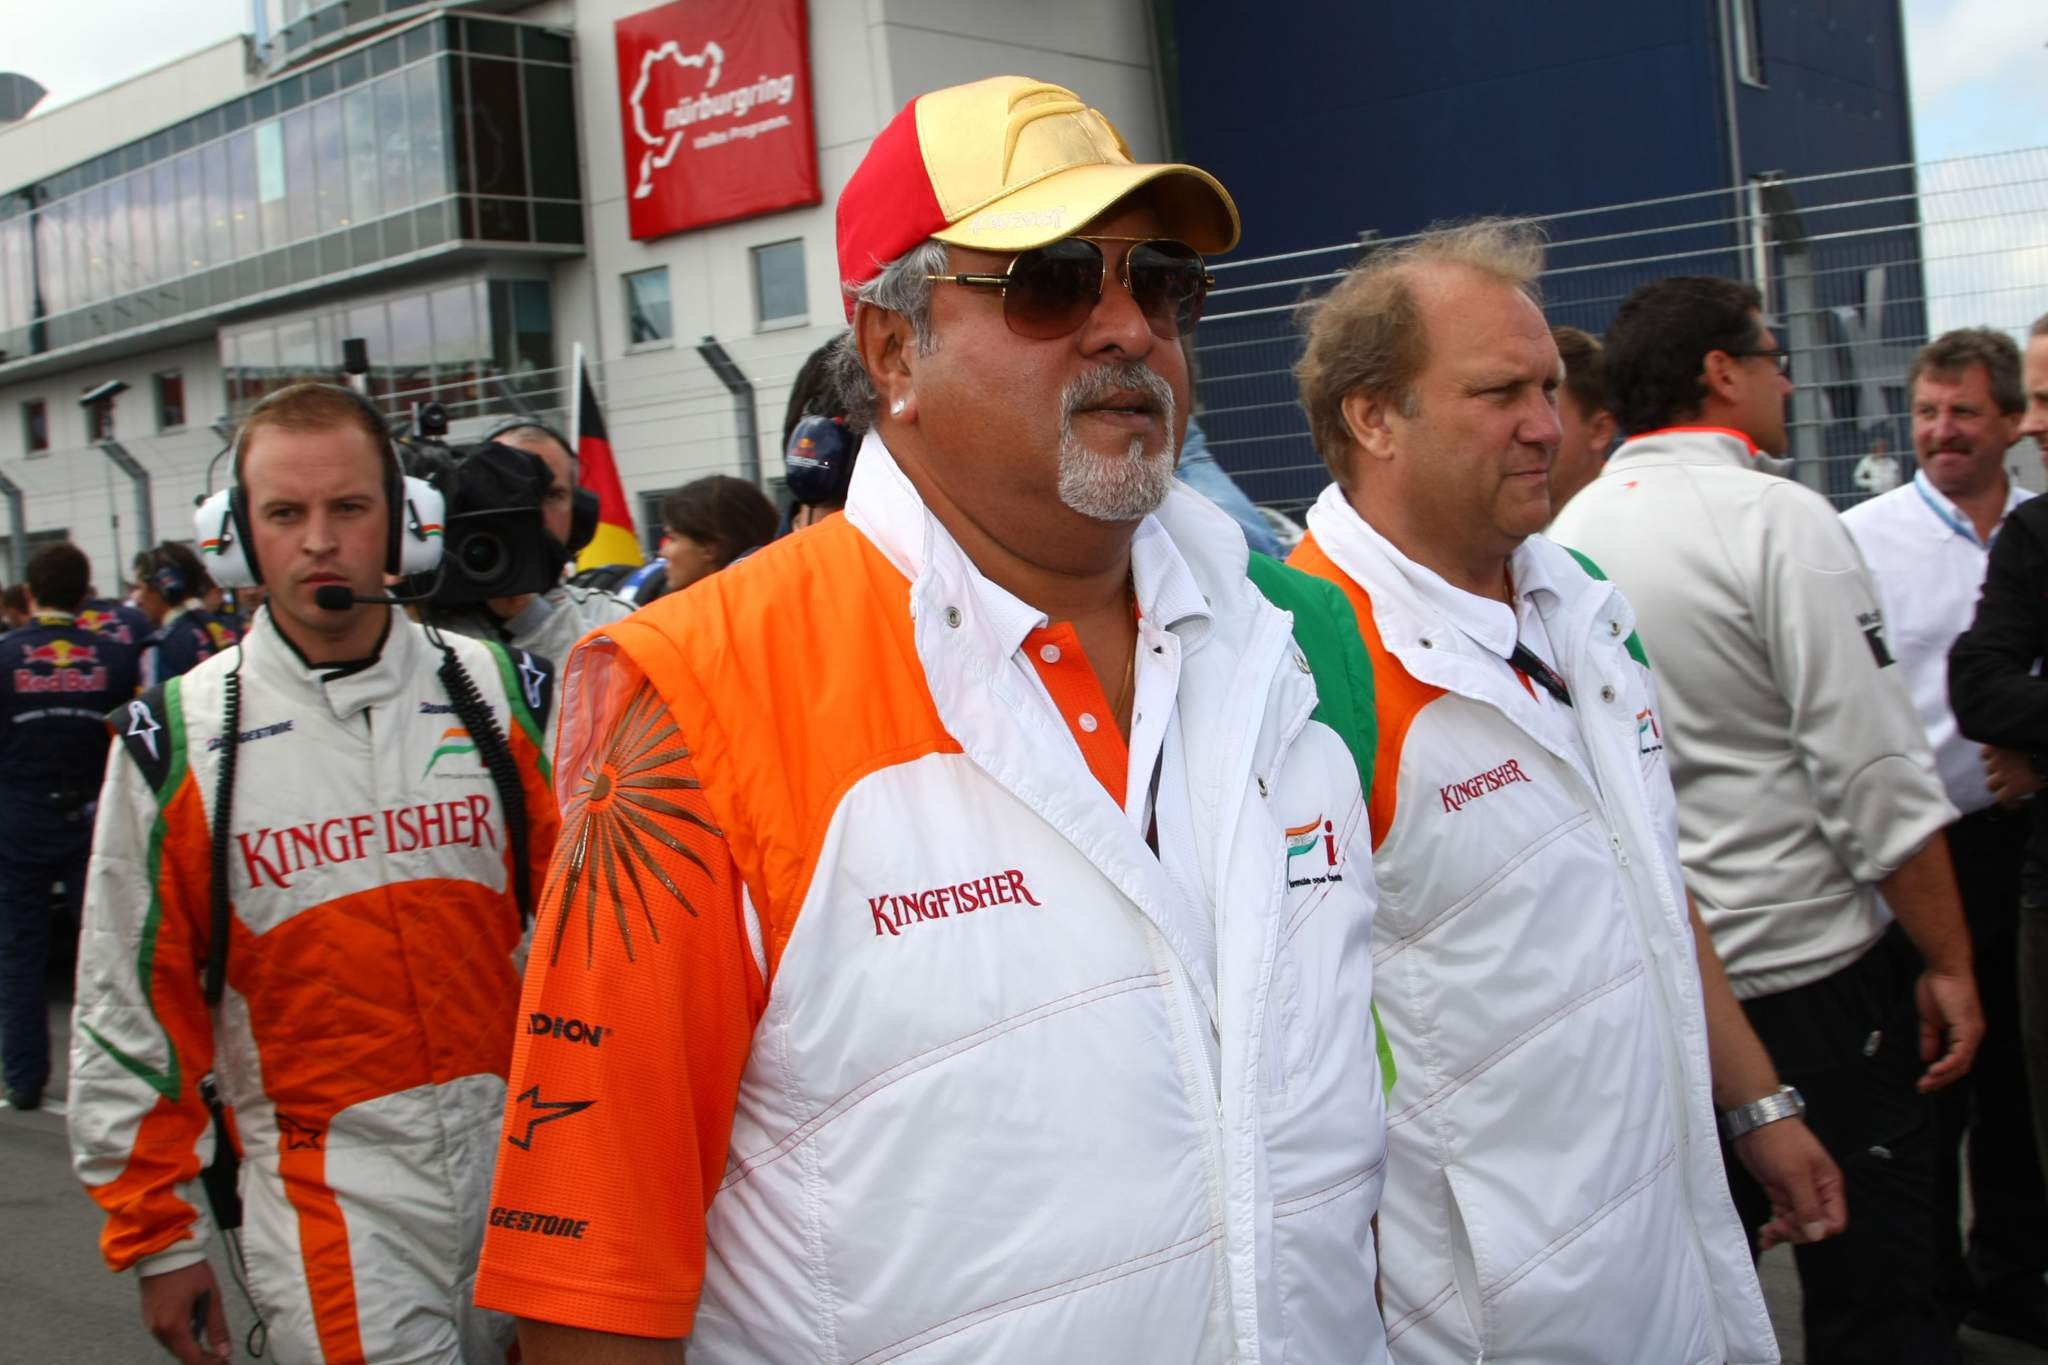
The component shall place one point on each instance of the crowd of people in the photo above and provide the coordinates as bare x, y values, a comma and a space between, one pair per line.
998, 911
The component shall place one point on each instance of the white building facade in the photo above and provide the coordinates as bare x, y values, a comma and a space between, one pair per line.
453, 187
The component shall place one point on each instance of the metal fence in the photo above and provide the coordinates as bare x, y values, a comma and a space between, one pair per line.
1857, 269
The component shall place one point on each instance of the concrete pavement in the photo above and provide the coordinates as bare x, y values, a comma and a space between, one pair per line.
66, 1308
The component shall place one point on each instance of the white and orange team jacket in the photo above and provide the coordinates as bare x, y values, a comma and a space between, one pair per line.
372, 987
1554, 1181
874, 1030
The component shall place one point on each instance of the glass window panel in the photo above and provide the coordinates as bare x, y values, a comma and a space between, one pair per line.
242, 192
457, 343
49, 229
412, 354
533, 325
542, 46
368, 323
394, 132
142, 228
551, 132
298, 351
15, 286
76, 274
455, 91
120, 249
231, 370
333, 167
495, 139
191, 210
35, 426
271, 198
779, 289
97, 261
163, 194
303, 211
647, 307
359, 129
429, 108
213, 165
170, 399
259, 363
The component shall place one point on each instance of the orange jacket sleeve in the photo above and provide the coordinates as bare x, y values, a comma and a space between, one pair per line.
640, 1001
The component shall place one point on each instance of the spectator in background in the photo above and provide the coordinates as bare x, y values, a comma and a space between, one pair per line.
1809, 811
14, 610
171, 586
1198, 470
58, 681
1582, 413
709, 523
1559, 1023
2000, 701
118, 621
1926, 545
820, 440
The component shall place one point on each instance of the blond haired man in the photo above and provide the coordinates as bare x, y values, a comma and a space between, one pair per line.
1564, 1032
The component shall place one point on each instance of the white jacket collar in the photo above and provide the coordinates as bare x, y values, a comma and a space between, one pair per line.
884, 505
1429, 640
404, 656
1944, 519
1371, 559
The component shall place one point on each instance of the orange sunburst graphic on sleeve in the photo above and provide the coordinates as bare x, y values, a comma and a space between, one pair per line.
622, 825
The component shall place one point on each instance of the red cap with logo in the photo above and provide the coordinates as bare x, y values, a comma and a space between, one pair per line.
1004, 165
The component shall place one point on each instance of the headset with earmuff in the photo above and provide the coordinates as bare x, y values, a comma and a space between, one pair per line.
413, 543
167, 578
818, 461
583, 504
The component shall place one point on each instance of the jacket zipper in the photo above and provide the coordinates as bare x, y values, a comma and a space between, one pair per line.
1675, 1071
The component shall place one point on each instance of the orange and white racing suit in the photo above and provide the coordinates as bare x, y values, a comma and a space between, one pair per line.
371, 1000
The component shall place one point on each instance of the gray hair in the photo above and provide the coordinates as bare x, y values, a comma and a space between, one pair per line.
902, 287
2040, 327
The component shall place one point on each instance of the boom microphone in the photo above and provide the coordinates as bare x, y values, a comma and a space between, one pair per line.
336, 597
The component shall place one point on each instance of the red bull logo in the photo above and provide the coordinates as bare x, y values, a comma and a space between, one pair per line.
73, 668
105, 623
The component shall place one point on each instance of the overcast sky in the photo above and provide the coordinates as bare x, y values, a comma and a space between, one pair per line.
1979, 67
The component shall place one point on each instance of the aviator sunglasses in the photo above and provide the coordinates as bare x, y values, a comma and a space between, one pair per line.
1050, 290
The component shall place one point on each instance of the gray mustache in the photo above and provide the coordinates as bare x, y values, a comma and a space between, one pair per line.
1129, 376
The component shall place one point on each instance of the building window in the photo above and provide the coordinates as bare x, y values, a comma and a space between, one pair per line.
1749, 40
647, 314
35, 426
99, 421
780, 297
170, 399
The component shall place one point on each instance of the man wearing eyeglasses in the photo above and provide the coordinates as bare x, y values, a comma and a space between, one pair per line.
960, 945
1810, 810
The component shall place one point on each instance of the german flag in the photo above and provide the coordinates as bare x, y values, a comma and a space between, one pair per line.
615, 542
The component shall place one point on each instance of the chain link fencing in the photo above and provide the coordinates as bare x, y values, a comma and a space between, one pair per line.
1858, 269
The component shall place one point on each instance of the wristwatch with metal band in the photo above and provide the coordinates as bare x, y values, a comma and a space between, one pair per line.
1784, 1103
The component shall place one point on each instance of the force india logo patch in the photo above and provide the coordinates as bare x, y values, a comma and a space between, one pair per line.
1305, 841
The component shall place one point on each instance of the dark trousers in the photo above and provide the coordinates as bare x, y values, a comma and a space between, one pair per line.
1979, 1121
1851, 1044
31, 863
2033, 973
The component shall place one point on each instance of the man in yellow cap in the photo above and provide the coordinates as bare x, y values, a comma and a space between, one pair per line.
959, 942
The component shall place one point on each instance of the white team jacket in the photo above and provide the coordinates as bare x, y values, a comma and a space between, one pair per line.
372, 984
1804, 773
1554, 1183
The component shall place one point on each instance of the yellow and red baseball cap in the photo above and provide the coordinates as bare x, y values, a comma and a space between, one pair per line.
1007, 164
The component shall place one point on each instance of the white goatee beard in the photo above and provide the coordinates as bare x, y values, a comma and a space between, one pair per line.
1115, 488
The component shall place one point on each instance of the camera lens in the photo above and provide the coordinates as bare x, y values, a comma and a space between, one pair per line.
484, 557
